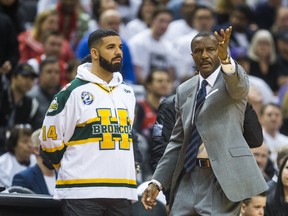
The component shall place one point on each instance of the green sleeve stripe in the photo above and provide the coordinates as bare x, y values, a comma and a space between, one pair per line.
56, 156
61, 97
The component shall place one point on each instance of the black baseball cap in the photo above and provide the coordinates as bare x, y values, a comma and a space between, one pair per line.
24, 69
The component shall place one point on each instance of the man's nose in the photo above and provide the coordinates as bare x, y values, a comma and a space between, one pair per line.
204, 53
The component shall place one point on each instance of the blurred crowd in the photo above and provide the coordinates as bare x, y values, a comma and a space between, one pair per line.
42, 42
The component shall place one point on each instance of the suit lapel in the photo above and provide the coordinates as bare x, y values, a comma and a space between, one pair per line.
40, 181
210, 96
188, 107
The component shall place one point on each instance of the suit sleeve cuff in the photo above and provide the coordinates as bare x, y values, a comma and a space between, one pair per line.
229, 69
157, 183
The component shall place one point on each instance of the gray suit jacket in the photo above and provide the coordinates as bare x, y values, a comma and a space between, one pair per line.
220, 125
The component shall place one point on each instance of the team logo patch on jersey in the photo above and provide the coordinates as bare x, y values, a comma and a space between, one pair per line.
53, 106
87, 98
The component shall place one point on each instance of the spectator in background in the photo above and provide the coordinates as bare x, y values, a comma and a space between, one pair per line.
223, 9
271, 121
149, 50
262, 55
31, 41
261, 155
282, 57
11, 8
98, 7
73, 21
282, 154
19, 156
265, 13
278, 205
71, 70
111, 19
184, 25
281, 21
15, 106
37, 178
259, 91
240, 18
52, 44
143, 19
254, 206
128, 9
9, 55
157, 85
47, 86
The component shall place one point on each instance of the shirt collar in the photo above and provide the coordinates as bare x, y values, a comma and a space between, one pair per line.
212, 78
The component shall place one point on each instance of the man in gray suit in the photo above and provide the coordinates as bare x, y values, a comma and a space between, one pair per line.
224, 171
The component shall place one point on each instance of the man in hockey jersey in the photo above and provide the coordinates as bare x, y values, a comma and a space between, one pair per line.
87, 134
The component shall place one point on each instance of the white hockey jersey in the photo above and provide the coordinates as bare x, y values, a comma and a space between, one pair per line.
87, 135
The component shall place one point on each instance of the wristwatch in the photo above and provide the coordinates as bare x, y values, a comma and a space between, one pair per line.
226, 61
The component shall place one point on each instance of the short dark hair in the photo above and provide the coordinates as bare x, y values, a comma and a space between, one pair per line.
139, 14
48, 60
161, 10
202, 34
96, 36
264, 107
247, 201
150, 77
15, 133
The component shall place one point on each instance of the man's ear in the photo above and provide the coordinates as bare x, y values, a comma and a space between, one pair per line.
243, 208
94, 53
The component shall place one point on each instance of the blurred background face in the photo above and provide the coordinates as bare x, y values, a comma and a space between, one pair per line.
53, 45
282, 19
23, 83
203, 20
51, 23
188, 7
161, 84
271, 119
261, 155
263, 48
50, 76
23, 149
238, 21
282, 46
160, 24
110, 19
147, 10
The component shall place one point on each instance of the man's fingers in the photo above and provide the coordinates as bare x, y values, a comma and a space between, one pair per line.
147, 200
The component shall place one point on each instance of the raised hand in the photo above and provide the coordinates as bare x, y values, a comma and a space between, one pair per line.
223, 39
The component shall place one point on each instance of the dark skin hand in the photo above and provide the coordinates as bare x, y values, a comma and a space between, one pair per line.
223, 39
151, 192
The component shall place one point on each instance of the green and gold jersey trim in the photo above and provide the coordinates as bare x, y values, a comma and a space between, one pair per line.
98, 182
59, 101
55, 154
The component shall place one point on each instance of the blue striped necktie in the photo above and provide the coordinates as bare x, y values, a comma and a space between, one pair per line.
195, 139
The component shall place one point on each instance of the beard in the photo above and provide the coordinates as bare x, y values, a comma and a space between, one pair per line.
109, 66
